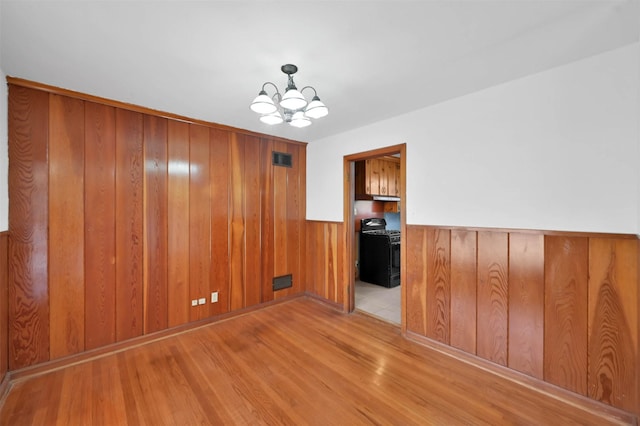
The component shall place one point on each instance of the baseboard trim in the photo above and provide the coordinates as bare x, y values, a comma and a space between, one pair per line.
5, 387
325, 301
58, 364
589, 405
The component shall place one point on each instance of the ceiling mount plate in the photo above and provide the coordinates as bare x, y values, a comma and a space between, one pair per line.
289, 69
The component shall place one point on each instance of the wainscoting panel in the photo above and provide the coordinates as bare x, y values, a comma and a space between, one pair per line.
121, 217
28, 227
4, 307
325, 260
565, 324
99, 221
560, 307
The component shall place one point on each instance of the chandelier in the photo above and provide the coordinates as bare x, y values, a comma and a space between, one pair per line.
292, 107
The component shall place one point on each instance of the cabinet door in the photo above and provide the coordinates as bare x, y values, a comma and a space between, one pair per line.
396, 180
373, 176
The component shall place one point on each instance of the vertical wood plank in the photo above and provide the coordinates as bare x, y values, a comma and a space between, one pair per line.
155, 224
4, 304
526, 303
66, 225
613, 319
464, 277
252, 229
438, 284
129, 232
315, 258
178, 298
493, 296
236, 231
100, 218
280, 216
199, 219
220, 219
268, 229
331, 274
416, 281
28, 128
302, 215
294, 221
565, 320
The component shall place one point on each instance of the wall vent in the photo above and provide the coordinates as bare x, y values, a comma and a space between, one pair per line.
282, 159
284, 281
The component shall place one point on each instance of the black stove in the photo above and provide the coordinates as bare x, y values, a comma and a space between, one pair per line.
379, 253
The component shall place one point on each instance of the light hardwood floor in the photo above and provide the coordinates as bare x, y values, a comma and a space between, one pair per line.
298, 362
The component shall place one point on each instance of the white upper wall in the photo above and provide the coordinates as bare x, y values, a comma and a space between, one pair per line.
557, 150
4, 155
4, 150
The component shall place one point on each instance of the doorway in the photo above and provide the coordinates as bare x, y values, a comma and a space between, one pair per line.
351, 218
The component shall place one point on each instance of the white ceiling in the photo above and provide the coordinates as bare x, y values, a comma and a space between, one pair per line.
369, 60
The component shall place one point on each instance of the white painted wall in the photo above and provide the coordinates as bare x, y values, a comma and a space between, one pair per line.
4, 155
4, 150
557, 150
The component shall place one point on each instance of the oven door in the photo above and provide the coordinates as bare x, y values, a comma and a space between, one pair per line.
394, 269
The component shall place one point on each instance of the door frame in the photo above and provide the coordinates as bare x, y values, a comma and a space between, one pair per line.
349, 226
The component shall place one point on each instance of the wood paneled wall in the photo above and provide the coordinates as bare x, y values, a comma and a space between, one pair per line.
325, 260
119, 218
4, 306
560, 308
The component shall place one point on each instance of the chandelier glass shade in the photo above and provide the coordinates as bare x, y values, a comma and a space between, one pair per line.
292, 107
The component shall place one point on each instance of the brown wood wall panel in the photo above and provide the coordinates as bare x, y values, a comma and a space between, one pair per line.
294, 225
28, 128
438, 284
155, 224
252, 219
146, 214
332, 272
236, 223
315, 258
268, 229
220, 219
129, 229
566, 307
281, 263
613, 322
493, 296
66, 226
325, 260
99, 219
302, 214
4, 304
463, 290
519, 299
199, 219
526, 303
178, 297
416, 280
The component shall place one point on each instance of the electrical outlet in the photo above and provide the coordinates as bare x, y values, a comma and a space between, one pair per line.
194, 302
202, 301
214, 297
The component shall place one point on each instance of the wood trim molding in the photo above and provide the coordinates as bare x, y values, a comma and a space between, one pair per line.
555, 392
136, 108
324, 221
534, 231
349, 231
57, 364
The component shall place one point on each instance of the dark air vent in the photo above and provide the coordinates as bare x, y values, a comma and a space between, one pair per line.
284, 281
282, 159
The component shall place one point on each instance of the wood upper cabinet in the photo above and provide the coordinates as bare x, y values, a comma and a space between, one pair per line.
377, 176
